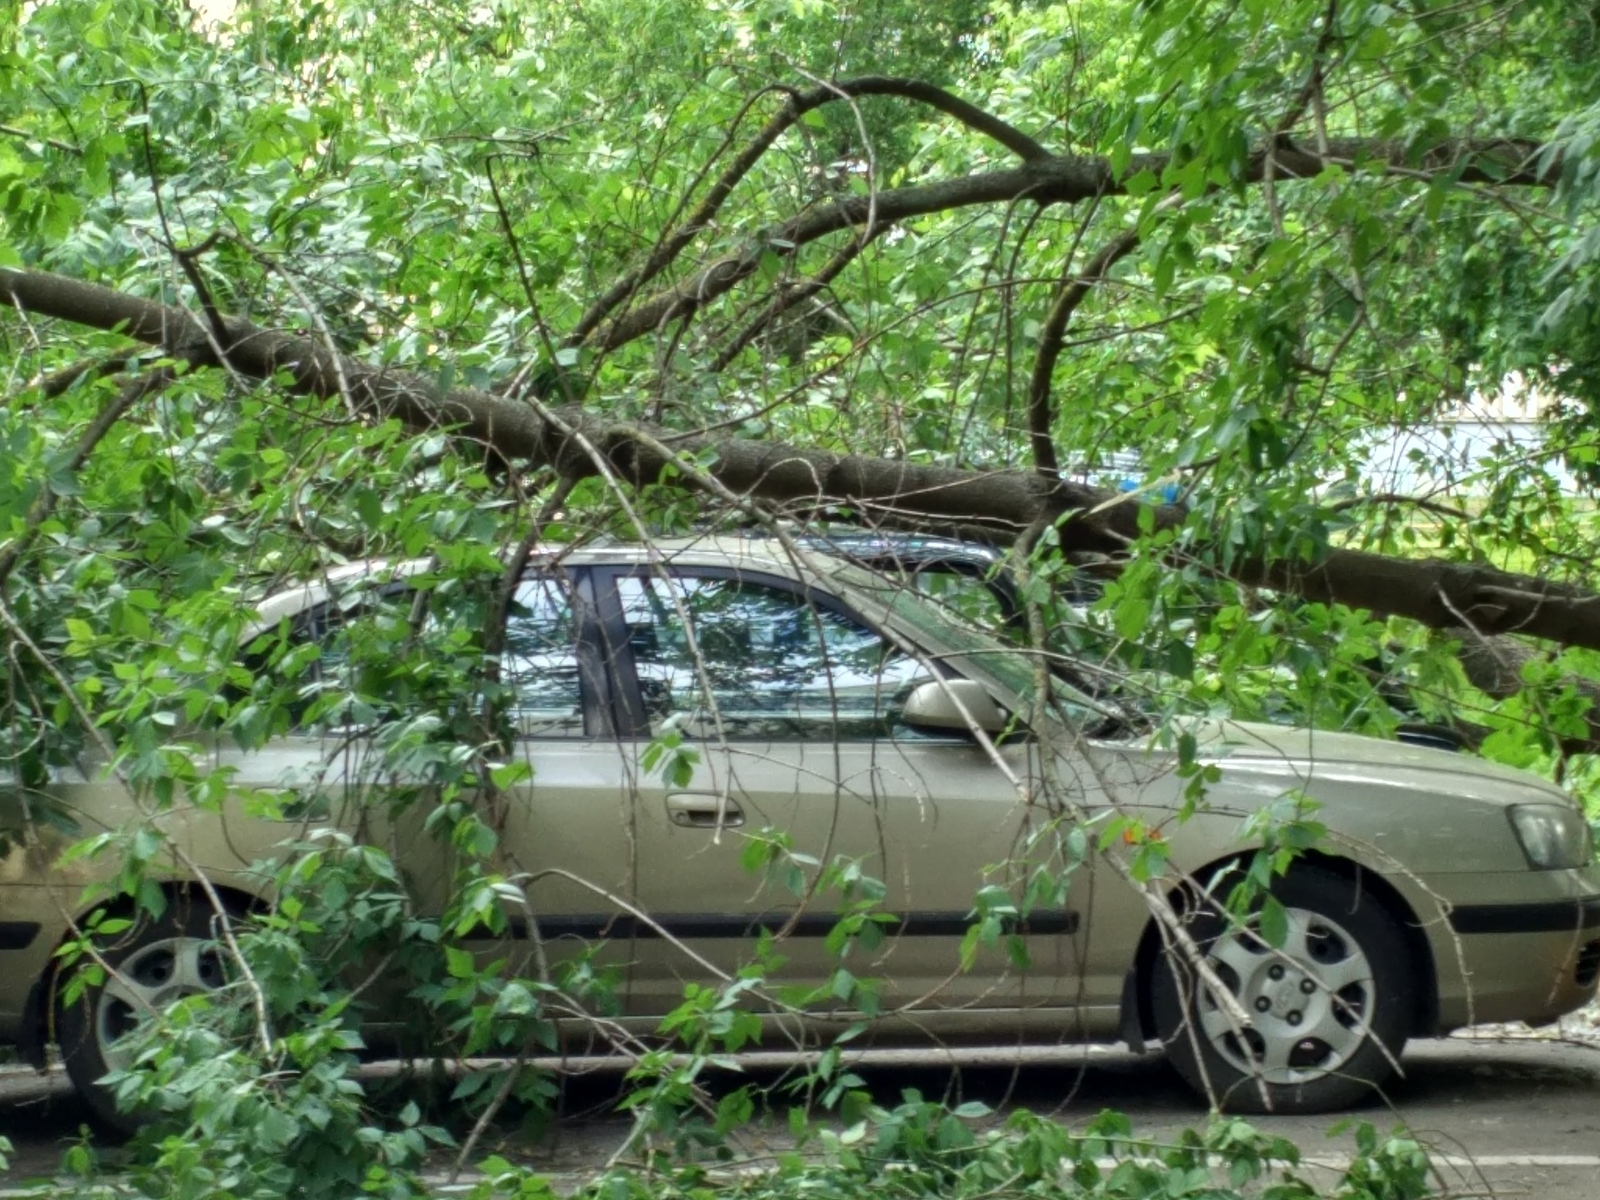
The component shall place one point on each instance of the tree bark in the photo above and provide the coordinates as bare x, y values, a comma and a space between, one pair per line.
1494, 666
993, 504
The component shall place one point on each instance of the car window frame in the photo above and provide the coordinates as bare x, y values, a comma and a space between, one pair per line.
596, 689
595, 685
633, 722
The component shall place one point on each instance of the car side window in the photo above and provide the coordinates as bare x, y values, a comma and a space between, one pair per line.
748, 661
342, 656
541, 662
328, 661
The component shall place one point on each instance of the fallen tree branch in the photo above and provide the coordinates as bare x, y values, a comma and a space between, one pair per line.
1070, 179
58, 383
1494, 665
1072, 293
786, 297
958, 501
798, 105
53, 143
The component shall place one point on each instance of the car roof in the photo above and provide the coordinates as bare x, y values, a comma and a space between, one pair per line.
721, 550
908, 550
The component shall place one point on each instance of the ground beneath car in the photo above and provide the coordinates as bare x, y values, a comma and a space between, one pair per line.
1507, 1116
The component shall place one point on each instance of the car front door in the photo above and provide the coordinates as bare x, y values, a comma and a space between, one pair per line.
788, 706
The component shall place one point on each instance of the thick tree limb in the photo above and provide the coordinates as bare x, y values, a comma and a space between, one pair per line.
1069, 179
795, 108
999, 504
1494, 666
1071, 294
1437, 593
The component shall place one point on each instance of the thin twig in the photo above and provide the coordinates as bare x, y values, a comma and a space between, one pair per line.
786, 298
187, 258
53, 143
492, 1109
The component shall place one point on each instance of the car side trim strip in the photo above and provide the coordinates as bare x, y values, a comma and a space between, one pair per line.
623, 926
1555, 916
18, 935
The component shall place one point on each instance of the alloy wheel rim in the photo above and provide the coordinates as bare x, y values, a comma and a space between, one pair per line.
1311, 1001
149, 980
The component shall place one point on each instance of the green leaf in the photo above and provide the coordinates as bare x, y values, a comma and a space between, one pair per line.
1273, 922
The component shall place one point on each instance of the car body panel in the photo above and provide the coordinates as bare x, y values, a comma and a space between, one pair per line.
886, 815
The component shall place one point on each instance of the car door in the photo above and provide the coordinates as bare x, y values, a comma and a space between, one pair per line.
566, 837
558, 839
789, 704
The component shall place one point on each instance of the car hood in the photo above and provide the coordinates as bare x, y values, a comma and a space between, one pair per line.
1318, 754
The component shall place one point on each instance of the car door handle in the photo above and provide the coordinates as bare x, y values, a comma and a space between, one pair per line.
700, 810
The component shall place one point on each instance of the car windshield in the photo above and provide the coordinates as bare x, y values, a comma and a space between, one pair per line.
1008, 667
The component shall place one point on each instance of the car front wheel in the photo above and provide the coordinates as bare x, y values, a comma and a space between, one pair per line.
150, 968
1328, 1009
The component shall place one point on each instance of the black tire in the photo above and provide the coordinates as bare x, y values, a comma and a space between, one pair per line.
1325, 1033
162, 960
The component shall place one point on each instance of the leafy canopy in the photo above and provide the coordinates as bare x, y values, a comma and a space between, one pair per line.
452, 188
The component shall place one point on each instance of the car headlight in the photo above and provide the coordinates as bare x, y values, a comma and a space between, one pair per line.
1555, 837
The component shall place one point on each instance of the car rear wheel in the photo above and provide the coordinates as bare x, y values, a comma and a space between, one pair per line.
1329, 1009
151, 967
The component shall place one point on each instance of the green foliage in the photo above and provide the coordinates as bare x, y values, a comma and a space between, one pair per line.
449, 187
922, 1148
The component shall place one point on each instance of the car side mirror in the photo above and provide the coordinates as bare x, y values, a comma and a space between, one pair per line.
953, 704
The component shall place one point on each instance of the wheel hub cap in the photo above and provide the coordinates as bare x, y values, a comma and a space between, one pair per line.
1309, 1002
150, 979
